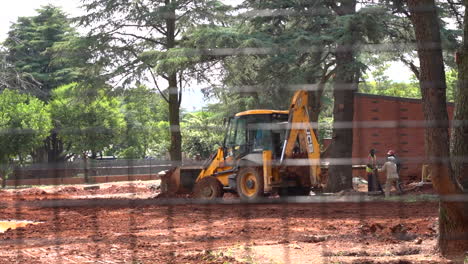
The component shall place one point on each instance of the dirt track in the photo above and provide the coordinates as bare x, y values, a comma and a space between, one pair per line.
143, 230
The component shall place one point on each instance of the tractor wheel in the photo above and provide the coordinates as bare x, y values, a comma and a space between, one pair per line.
208, 188
250, 183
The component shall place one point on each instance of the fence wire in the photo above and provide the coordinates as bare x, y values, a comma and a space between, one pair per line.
113, 211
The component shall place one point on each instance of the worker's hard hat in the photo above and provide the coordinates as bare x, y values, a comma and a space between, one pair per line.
390, 153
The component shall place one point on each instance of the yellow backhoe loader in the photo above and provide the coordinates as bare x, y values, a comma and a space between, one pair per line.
264, 151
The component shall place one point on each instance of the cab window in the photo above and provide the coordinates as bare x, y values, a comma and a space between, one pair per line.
240, 132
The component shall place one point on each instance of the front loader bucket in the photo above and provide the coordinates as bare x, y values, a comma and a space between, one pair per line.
179, 180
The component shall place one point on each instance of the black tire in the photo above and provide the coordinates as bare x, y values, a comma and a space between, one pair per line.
250, 183
208, 188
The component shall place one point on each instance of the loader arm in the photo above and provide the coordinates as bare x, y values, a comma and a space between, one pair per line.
301, 131
219, 166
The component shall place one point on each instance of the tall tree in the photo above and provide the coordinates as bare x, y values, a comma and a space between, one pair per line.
291, 45
345, 85
29, 48
10, 78
453, 214
46, 52
277, 47
138, 37
459, 144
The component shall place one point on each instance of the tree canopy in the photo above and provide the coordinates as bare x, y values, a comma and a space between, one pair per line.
146, 132
24, 124
33, 48
141, 37
86, 123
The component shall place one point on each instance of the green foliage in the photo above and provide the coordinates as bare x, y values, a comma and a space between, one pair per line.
390, 88
363, 27
451, 78
162, 144
275, 54
377, 82
144, 40
33, 47
147, 129
325, 129
24, 124
203, 134
10, 78
145, 36
86, 123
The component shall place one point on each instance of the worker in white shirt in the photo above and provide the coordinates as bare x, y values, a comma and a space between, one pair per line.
390, 169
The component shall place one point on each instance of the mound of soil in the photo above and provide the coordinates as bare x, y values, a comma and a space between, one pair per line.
171, 195
70, 190
115, 189
207, 258
32, 191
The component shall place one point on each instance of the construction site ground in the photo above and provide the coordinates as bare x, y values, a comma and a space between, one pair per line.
125, 223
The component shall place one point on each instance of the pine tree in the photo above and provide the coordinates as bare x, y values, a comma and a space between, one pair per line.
453, 214
141, 38
30, 49
46, 52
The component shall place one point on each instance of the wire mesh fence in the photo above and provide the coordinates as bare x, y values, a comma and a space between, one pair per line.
262, 196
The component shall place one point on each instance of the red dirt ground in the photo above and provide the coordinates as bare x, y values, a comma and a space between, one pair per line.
92, 226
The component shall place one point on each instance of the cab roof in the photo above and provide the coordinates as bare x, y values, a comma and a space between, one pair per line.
261, 112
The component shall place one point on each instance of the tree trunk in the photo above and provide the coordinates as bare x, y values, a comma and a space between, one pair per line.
5, 170
86, 167
453, 216
459, 144
174, 122
345, 86
174, 93
54, 148
39, 155
3, 177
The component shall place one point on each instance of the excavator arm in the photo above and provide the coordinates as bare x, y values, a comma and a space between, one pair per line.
300, 134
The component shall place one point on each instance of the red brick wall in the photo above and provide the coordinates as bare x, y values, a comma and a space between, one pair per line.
383, 123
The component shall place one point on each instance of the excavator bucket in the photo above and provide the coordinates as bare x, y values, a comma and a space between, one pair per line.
179, 180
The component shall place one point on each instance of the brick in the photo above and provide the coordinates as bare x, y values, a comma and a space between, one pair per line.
100, 179
19, 182
406, 140
75, 180
119, 178
50, 181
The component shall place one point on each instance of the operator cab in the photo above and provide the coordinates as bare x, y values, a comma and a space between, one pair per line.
255, 131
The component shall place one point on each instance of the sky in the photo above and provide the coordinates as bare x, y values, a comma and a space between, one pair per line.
12, 9
193, 98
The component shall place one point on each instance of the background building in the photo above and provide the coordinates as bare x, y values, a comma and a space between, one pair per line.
385, 122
